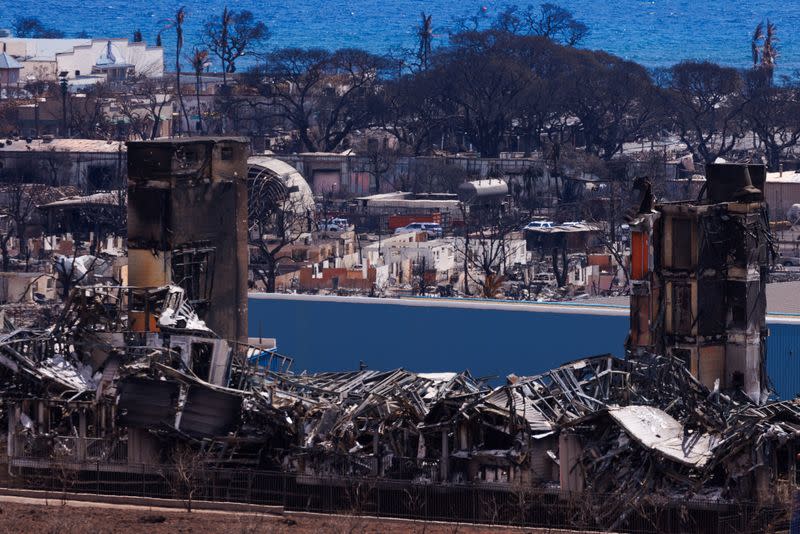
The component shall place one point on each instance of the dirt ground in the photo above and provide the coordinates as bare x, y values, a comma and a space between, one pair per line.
33, 516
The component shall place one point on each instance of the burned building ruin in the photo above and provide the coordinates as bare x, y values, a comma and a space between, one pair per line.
128, 375
699, 273
187, 224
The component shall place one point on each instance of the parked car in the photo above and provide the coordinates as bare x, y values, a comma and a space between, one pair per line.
789, 261
535, 225
432, 229
547, 279
337, 224
331, 227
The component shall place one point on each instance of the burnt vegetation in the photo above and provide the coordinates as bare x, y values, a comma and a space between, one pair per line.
137, 378
519, 82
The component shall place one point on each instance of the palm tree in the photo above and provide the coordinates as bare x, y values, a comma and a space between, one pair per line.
769, 52
758, 34
425, 34
199, 62
177, 23
764, 48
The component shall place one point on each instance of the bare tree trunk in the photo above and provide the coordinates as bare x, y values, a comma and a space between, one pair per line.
156, 127
560, 272
613, 213
271, 275
23, 243
224, 41
620, 257
774, 157
197, 95
4, 251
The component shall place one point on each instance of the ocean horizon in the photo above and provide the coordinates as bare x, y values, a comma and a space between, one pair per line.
654, 33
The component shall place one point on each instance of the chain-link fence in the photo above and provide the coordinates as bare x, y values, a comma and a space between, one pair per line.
475, 503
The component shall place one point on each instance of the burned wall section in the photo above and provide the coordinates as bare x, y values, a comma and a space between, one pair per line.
699, 286
187, 224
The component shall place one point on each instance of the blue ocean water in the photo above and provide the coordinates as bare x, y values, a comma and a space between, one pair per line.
653, 32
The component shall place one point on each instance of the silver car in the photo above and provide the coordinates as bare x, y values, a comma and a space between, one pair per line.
432, 229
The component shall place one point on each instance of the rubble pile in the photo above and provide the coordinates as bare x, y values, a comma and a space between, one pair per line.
133, 376
663, 437
637, 432
363, 422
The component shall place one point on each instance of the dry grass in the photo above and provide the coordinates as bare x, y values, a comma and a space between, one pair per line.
61, 519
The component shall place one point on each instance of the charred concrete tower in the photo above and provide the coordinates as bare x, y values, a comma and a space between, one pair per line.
699, 271
187, 224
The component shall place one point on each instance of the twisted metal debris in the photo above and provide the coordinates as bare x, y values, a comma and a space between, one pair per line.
640, 431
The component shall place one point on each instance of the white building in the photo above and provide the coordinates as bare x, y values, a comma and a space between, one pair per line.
104, 59
401, 252
782, 191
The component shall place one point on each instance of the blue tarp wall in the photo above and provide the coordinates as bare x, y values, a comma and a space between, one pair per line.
428, 335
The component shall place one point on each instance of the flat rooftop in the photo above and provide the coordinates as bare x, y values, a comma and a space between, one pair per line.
91, 146
407, 196
785, 177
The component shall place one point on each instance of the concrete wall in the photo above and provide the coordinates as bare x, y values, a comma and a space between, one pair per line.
488, 338
19, 287
438, 254
9, 76
61, 167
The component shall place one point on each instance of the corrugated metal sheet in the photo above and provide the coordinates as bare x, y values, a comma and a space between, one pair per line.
656, 429
209, 413
783, 359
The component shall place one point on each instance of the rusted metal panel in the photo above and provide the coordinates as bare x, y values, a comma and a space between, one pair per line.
640, 253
